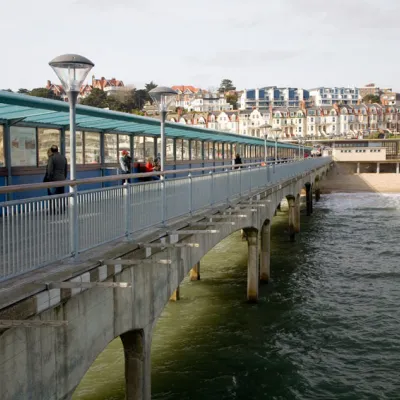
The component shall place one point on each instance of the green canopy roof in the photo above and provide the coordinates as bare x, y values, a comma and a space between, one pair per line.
20, 108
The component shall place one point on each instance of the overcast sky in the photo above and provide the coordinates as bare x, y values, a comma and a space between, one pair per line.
300, 43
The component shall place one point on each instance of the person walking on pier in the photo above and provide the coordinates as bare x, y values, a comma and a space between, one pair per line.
238, 160
57, 169
125, 162
46, 175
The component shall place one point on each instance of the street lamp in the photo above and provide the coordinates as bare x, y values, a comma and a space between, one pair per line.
72, 70
266, 126
163, 97
276, 132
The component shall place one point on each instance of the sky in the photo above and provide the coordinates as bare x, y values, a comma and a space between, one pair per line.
255, 43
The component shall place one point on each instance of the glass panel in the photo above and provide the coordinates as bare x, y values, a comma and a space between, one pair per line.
110, 148
170, 149
210, 150
199, 155
23, 146
178, 144
227, 153
193, 148
138, 148
2, 157
149, 147
47, 138
218, 151
79, 147
124, 143
185, 150
92, 148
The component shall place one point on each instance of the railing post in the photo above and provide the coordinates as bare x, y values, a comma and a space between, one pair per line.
212, 188
164, 200
240, 180
250, 178
74, 221
190, 193
127, 218
227, 185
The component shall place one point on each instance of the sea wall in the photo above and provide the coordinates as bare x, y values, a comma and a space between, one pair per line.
343, 178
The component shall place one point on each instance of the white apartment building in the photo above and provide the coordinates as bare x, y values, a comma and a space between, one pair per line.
209, 102
323, 96
272, 96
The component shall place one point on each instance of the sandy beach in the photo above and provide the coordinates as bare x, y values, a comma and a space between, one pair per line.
341, 179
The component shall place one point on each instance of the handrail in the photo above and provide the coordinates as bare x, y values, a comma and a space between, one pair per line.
46, 185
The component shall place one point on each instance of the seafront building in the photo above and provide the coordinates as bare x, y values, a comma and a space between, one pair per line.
272, 96
341, 121
327, 96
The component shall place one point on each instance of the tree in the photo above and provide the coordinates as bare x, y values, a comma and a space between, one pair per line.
226, 85
7, 90
149, 86
371, 98
45, 93
141, 96
97, 98
23, 91
232, 99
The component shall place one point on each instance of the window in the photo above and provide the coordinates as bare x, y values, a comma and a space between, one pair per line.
2, 158
23, 146
47, 138
227, 151
110, 148
79, 147
170, 149
199, 152
92, 148
195, 150
210, 152
299, 121
185, 149
138, 148
178, 144
148, 147
218, 151
124, 143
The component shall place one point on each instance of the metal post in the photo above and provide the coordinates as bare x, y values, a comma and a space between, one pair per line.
190, 193
276, 149
73, 216
299, 148
265, 149
7, 156
163, 144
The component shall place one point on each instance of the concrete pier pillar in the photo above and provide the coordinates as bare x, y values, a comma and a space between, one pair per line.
308, 198
252, 265
378, 167
195, 272
137, 351
317, 191
297, 215
397, 168
292, 216
176, 295
265, 253
358, 168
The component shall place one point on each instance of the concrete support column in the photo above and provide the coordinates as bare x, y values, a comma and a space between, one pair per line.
397, 168
292, 217
317, 191
378, 167
297, 215
137, 351
176, 295
308, 198
252, 265
195, 272
358, 168
265, 253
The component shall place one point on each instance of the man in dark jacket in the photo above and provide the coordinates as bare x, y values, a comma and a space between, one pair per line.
57, 169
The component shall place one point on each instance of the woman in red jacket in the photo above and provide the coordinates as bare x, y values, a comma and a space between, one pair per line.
150, 168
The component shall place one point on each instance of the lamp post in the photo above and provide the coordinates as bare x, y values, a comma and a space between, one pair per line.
276, 132
163, 97
72, 70
265, 142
